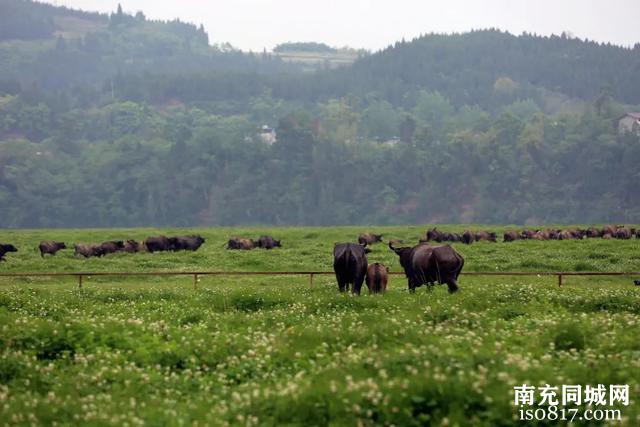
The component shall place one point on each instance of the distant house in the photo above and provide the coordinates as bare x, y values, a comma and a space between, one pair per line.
629, 122
267, 134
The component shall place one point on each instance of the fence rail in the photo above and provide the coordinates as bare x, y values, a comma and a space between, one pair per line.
196, 274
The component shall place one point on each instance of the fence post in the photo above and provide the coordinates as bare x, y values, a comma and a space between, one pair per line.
559, 280
195, 281
310, 278
79, 280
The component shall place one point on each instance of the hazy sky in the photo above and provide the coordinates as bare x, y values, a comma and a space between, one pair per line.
374, 24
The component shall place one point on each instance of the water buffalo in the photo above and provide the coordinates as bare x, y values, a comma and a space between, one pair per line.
157, 244
377, 278
369, 238
565, 235
426, 264
241, 243
622, 233
510, 236
433, 234
186, 243
451, 237
488, 236
609, 229
268, 242
528, 234
50, 247
577, 233
6, 248
111, 246
88, 250
553, 233
636, 282
541, 235
132, 246
350, 266
468, 237
593, 232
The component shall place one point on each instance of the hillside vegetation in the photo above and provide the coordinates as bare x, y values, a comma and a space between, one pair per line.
122, 121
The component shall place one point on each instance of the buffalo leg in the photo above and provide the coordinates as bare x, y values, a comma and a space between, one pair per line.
412, 286
342, 286
453, 285
357, 285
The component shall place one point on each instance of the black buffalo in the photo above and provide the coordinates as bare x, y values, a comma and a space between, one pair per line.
511, 236
186, 243
111, 246
88, 250
468, 237
350, 265
50, 247
268, 242
623, 233
426, 264
6, 248
488, 236
157, 244
132, 246
432, 235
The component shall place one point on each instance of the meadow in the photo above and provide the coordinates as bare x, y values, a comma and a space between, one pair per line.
275, 350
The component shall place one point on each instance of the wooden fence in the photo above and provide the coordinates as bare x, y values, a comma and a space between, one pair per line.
196, 274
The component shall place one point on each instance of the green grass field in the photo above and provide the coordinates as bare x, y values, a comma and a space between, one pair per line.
262, 350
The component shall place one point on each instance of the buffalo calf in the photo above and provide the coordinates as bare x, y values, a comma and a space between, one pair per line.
377, 278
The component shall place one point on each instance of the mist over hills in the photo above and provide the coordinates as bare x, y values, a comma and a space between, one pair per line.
120, 120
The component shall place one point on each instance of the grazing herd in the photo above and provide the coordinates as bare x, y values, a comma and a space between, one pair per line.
87, 250
151, 245
423, 264
468, 237
607, 232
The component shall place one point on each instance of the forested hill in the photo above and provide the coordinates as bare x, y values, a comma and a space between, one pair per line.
467, 67
56, 48
121, 121
486, 68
